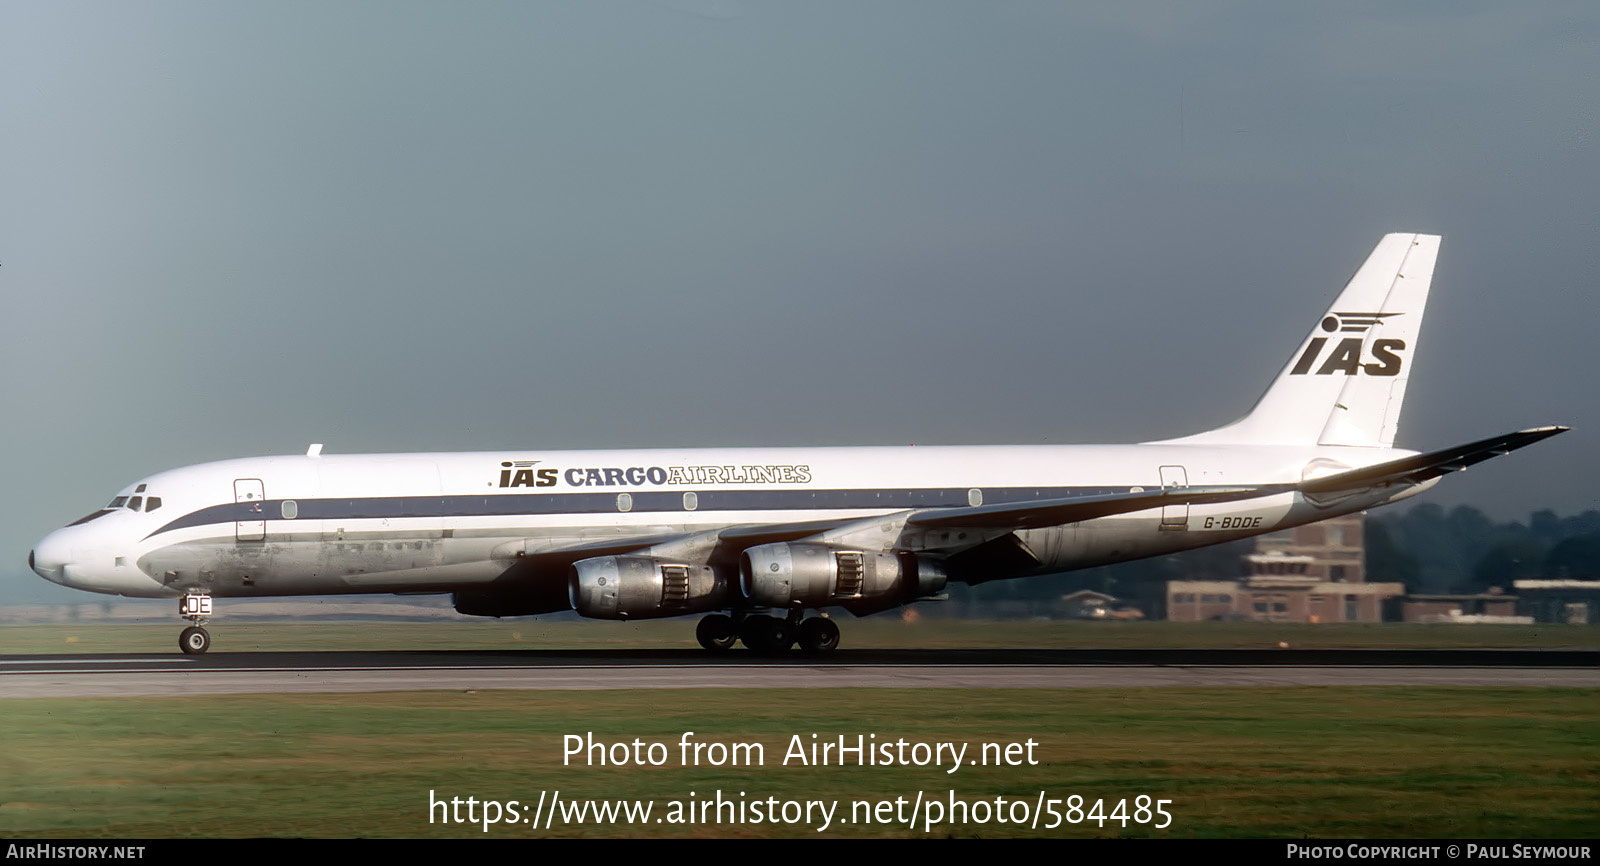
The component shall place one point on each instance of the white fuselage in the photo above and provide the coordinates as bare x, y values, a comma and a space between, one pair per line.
444, 522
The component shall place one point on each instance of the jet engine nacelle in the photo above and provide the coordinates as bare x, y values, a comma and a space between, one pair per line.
641, 587
796, 574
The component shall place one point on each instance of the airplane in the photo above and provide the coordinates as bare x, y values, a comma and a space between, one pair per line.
754, 539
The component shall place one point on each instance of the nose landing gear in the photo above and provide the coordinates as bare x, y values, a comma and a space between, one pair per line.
194, 640
195, 608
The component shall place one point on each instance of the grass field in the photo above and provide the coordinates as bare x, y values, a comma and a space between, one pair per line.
875, 632
1259, 762
1246, 762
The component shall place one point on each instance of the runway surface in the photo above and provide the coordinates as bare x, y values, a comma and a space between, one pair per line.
238, 673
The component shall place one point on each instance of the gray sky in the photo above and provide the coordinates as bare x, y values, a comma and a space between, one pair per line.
230, 229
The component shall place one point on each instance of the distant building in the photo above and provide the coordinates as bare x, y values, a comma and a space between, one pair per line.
1560, 601
1489, 607
1311, 573
1335, 548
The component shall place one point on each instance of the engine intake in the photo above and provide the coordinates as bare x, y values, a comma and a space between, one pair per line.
794, 574
641, 587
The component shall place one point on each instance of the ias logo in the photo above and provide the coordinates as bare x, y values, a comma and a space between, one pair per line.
520, 473
1346, 356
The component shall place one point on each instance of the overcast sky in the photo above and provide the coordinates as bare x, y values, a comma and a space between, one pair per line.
231, 229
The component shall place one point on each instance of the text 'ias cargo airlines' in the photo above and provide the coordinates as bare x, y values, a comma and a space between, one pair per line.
754, 538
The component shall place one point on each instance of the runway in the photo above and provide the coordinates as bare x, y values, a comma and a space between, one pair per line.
242, 673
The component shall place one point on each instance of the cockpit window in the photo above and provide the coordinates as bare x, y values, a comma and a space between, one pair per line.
118, 502
135, 503
139, 489
152, 503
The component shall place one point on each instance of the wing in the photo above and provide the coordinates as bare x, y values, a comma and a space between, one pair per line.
1422, 467
1054, 512
725, 542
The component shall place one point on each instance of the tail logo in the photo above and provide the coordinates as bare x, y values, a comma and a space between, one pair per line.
1346, 356
1357, 323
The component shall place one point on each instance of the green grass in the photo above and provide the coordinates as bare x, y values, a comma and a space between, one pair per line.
876, 632
1258, 762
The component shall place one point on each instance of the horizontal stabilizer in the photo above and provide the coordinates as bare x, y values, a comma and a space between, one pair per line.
1422, 467
1053, 512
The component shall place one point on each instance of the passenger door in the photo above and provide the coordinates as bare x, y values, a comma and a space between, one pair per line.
251, 495
1174, 517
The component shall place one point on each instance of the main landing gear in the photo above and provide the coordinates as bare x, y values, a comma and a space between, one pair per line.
769, 635
717, 632
195, 608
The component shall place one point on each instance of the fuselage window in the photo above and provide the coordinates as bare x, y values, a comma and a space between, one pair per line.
690, 501
624, 502
135, 503
290, 509
152, 503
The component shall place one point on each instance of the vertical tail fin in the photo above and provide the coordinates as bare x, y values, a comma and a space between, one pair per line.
1346, 382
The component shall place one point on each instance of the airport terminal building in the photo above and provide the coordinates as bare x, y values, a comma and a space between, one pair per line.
1312, 573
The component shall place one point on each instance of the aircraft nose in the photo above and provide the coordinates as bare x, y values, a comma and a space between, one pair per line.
50, 557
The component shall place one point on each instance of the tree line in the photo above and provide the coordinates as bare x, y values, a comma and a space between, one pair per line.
1461, 550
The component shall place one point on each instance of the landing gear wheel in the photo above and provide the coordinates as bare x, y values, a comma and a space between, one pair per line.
716, 633
818, 636
196, 608
767, 635
194, 641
